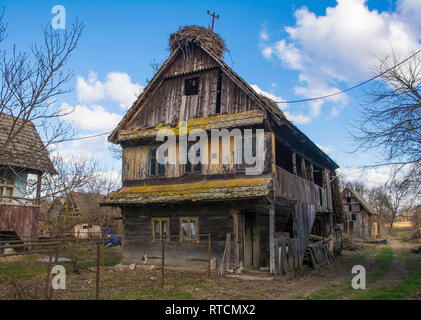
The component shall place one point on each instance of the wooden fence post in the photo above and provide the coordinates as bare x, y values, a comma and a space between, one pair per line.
163, 262
209, 255
98, 264
47, 279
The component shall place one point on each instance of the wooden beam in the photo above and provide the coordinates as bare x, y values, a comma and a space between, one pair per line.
271, 237
235, 213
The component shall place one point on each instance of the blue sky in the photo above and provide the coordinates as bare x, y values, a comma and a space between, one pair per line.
287, 49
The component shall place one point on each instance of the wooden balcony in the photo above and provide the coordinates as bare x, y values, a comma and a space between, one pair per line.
294, 188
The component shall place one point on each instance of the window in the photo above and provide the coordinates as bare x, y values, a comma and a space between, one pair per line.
348, 199
7, 184
160, 228
283, 157
191, 86
243, 163
349, 207
155, 168
361, 207
190, 167
354, 216
189, 229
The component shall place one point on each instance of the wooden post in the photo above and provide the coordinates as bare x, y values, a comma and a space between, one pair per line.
331, 233
271, 237
103, 250
38, 194
234, 213
98, 264
47, 279
294, 163
163, 262
311, 173
55, 262
209, 255
303, 169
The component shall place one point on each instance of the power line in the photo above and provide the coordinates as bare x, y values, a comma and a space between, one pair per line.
291, 101
353, 87
83, 138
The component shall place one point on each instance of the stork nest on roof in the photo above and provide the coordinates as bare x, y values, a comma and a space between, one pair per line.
188, 35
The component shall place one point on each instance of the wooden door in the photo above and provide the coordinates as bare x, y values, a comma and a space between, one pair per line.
251, 254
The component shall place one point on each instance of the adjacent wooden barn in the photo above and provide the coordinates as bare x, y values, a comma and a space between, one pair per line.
360, 219
291, 198
21, 153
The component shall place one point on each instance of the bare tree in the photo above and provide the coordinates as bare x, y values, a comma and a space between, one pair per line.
390, 119
31, 81
390, 200
72, 175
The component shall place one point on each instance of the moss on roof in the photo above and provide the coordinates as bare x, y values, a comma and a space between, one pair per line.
196, 191
207, 123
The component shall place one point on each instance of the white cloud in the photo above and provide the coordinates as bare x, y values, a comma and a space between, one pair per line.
95, 148
267, 52
297, 118
118, 87
343, 45
371, 177
288, 53
93, 117
325, 149
264, 35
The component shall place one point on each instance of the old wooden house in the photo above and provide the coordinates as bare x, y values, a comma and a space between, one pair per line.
79, 212
22, 153
291, 198
360, 220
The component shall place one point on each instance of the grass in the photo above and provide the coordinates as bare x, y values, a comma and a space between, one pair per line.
22, 266
401, 291
149, 293
384, 258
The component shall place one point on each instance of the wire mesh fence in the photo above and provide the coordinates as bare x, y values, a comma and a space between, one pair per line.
91, 268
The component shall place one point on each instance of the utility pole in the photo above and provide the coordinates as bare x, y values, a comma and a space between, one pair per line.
213, 15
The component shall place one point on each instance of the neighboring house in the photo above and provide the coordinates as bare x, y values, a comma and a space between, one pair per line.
360, 220
84, 231
80, 213
194, 87
24, 155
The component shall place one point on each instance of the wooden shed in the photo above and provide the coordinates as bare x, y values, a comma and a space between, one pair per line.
360, 219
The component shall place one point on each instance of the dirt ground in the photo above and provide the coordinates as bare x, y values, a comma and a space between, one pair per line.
393, 272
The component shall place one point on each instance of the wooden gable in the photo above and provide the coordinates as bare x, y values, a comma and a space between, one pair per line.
217, 93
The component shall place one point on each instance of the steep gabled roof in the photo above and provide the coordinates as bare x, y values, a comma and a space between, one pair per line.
157, 80
26, 150
362, 201
263, 102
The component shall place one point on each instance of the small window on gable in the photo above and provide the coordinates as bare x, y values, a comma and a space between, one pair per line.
191, 86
